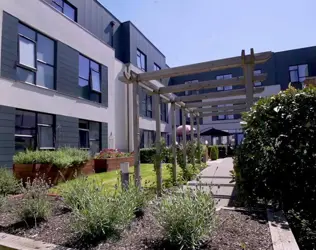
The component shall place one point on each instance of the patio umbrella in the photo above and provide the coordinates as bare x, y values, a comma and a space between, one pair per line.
214, 132
187, 129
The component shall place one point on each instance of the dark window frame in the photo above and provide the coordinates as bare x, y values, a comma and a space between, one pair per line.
150, 135
34, 71
63, 7
297, 72
164, 112
156, 67
90, 82
88, 131
37, 125
140, 55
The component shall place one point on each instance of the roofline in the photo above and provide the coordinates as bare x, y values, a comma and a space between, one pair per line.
308, 47
109, 12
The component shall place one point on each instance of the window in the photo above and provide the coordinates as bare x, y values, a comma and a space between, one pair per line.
36, 64
66, 8
33, 131
221, 117
256, 73
229, 117
147, 138
141, 60
89, 79
89, 136
164, 111
146, 104
225, 117
298, 73
191, 92
156, 67
224, 77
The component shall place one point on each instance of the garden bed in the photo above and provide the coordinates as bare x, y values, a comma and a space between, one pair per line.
235, 230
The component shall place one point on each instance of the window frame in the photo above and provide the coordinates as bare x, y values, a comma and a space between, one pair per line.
164, 111
32, 70
298, 72
36, 133
88, 131
140, 54
63, 7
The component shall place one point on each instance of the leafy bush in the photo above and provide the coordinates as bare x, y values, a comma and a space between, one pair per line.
112, 153
187, 217
8, 183
276, 160
35, 205
147, 155
214, 152
222, 151
61, 158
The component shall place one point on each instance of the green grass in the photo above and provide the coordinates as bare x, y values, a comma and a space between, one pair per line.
110, 179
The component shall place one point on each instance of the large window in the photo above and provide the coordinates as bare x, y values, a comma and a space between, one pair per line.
147, 138
34, 131
256, 73
141, 60
191, 92
89, 136
225, 117
146, 104
89, 79
298, 73
223, 77
66, 8
36, 64
164, 111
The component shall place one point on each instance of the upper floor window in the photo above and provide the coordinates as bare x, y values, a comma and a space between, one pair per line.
141, 60
256, 73
156, 67
298, 73
33, 131
36, 63
89, 79
66, 8
146, 104
191, 92
90, 136
164, 112
223, 77
225, 117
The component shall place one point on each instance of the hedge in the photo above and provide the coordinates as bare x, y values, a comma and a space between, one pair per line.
214, 152
276, 161
147, 155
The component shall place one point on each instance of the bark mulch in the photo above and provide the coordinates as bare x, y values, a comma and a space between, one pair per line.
235, 230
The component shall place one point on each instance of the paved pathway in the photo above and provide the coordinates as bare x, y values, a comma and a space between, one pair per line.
217, 178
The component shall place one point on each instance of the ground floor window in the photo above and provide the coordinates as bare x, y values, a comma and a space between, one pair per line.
147, 138
90, 136
34, 131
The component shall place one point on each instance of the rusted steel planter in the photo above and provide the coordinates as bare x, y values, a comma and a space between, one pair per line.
110, 164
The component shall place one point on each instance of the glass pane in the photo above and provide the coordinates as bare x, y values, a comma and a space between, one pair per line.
221, 117
94, 147
83, 124
84, 89
293, 68
257, 84
303, 70
95, 81
24, 143
293, 76
58, 7
25, 31
25, 123
45, 76
45, 119
59, 2
143, 62
220, 88
45, 137
228, 87
219, 77
26, 52
257, 72
45, 49
230, 117
227, 76
139, 64
84, 67
95, 66
69, 12
24, 75
84, 139
94, 130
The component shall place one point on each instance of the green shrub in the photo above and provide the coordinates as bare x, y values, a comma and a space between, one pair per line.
8, 183
276, 160
187, 217
35, 205
147, 155
214, 152
222, 151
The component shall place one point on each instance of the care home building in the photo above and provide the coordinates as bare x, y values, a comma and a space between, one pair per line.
59, 86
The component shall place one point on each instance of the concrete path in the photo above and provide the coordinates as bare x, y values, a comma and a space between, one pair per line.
217, 179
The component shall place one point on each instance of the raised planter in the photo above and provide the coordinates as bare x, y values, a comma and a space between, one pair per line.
110, 164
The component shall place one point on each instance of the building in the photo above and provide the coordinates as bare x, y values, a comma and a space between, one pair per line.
59, 81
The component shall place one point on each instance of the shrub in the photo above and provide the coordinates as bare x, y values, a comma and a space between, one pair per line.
214, 152
187, 217
147, 155
222, 151
111, 153
276, 160
8, 183
35, 205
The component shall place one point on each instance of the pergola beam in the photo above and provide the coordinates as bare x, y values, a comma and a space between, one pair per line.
225, 108
221, 64
219, 102
209, 84
221, 94
234, 112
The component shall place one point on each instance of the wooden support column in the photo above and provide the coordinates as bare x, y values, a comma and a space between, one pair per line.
136, 135
198, 138
184, 138
248, 68
191, 125
174, 146
158, 144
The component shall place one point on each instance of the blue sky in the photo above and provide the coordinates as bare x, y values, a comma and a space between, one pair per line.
191, 31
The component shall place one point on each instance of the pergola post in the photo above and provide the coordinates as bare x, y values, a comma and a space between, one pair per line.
158, 144
136, 133
248, 68
191, 125
184, 138
198, 138
174, 146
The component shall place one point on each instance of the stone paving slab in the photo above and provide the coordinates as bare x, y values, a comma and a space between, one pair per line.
213, 180
220, 167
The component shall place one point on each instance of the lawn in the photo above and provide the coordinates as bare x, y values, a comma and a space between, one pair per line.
110, 179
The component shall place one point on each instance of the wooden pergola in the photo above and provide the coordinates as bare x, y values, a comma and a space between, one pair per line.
187, 104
